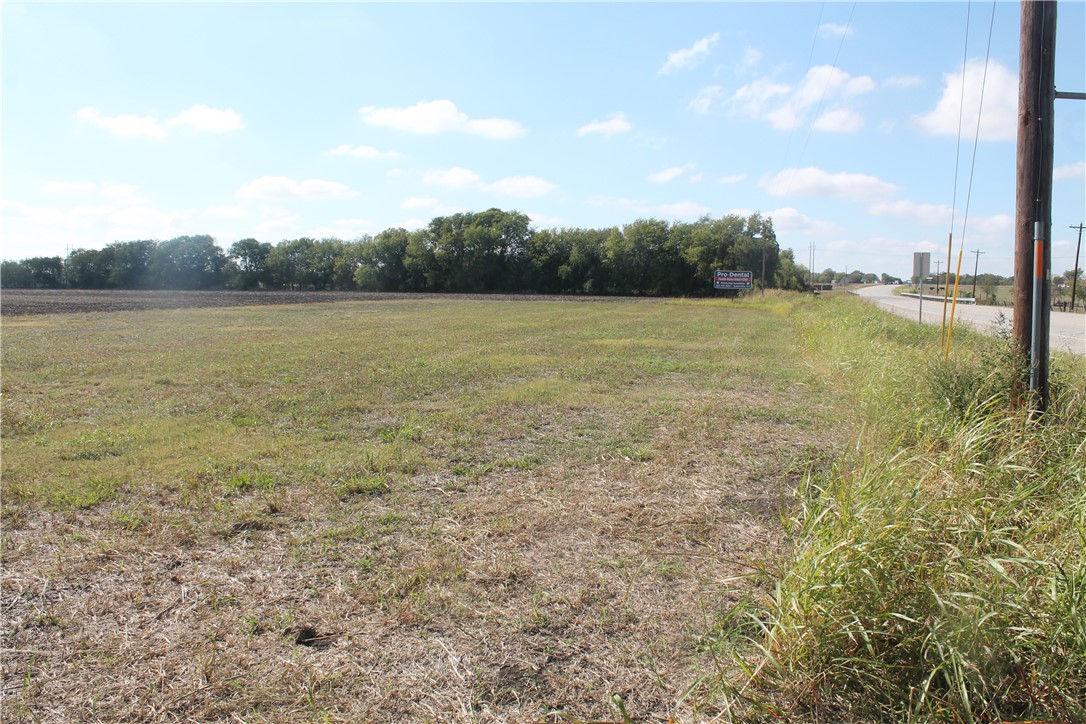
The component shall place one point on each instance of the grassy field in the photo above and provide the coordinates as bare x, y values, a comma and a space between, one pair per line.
441, 509
400, 510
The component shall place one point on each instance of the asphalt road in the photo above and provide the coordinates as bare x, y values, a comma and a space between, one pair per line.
1067, 331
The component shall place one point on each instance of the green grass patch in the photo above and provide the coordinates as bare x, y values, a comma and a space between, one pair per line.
936, 571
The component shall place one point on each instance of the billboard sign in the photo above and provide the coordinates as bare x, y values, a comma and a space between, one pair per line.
733, 279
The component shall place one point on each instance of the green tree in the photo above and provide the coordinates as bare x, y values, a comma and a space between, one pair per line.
791, 275
250, 259
290, 263
131, 264
89, 268
15, 275
384, 263
188, 262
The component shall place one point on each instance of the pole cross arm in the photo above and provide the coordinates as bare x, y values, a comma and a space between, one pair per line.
1071, 96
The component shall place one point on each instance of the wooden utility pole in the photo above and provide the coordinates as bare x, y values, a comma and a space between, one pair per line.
1033, 207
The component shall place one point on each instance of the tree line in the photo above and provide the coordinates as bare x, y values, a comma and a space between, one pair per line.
489, 251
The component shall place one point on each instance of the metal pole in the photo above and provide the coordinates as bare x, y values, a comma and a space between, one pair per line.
1036, 377
976, 265
1074, 274
763, 266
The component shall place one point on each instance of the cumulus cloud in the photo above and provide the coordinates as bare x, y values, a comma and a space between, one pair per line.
281, 187
616, 124
815, 182
198, 118
834, 30
839, 120
208, 120
454, 178
706, 98
934, 214
670, 174
999, 117
1070, 171
687, 58
368, 152
791, 220
524, 187
440, 116
732, 179
786, 106
903, 81
125, 126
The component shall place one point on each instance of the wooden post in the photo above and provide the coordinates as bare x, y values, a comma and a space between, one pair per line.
1033, 206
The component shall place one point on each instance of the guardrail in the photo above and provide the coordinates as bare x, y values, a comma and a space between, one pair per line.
961, 300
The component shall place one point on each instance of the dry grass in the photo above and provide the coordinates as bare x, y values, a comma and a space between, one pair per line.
391, 511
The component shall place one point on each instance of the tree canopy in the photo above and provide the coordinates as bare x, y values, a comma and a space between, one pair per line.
488, 251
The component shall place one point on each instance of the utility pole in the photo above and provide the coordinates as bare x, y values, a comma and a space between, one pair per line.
976, 265
1033, 198
938, 264
1074, 274
810, 268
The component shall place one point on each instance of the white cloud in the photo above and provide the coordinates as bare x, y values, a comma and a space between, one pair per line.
732, 179
697, 178
934, 214
209, 120
688, 57
670, 174
999, 118
280, 187
1070, 171
903, 81
125, 126
790, 220
750, 59
815, 182
706, 98
524, 187
834, 30
617, 123
440, 116
785, 106
839, 120
454, 178
368, 152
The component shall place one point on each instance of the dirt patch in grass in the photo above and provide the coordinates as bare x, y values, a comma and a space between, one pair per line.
464, 554
23, 302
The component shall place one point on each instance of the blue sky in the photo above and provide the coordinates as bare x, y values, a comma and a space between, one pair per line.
838, 120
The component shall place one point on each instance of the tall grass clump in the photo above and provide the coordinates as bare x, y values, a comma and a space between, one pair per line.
936, 571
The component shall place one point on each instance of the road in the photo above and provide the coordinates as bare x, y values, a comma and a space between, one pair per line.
1067, 331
